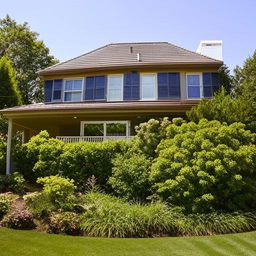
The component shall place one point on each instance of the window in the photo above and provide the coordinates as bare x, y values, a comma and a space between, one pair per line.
73, 90
148, 86
95, 88
57, 87
115, 87
194, 85
168, 85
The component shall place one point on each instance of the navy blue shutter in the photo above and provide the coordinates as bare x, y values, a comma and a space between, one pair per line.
215, 82
100, 87
48, 90
131, 86
95, 88
162, 82
207, 84
89, 88
211, 83
168, 85
57, 89
174, 85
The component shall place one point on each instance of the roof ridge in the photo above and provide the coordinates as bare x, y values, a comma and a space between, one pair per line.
193, 52
156, 42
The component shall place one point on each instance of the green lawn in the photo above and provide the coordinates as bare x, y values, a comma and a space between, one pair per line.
23, 243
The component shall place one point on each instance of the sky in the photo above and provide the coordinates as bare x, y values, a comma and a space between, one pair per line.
73, 27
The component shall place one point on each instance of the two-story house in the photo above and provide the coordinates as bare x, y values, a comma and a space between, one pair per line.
105, 93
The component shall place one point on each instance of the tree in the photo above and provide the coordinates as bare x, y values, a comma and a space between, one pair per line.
224, 108
9, 93
28, 55
226, 80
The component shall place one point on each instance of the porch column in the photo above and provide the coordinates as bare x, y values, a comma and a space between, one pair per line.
9, 146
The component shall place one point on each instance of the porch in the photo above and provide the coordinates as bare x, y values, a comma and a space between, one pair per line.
75, 139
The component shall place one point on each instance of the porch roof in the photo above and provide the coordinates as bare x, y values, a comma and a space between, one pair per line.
96, 107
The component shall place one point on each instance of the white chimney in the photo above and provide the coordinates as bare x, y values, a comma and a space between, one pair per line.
211, 48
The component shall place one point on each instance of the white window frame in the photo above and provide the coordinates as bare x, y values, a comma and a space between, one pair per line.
105, 126
141, 87
200, 85
70, 91
122, 86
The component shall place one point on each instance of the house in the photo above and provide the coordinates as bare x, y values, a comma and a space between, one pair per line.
105, 93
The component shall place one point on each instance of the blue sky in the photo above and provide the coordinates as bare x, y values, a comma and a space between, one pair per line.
73, 27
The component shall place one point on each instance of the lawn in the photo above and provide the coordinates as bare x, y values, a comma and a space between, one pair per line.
26, 243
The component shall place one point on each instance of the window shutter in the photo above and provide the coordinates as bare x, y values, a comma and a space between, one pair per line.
95, 88
48, 90
168, 85
89, 88
207, 84
57, 89
211, 83
131, 86
100, 87
174, 85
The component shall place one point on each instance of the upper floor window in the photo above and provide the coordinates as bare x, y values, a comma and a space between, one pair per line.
73, 90
115, 87
148, 87
194, 85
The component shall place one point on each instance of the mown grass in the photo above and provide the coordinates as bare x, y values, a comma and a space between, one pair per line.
28, 243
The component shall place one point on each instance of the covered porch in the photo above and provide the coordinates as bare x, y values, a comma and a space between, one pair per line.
93, 121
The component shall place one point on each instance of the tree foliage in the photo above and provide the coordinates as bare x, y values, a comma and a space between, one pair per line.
226, 80
28, 55
224, 108
207, 166
9, 93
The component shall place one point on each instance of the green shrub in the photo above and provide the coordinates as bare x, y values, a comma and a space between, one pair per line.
2, 152
149, 135
207, 166
27, 155
58, 190
215, 223
130, 176
40, 205
19, 219
13, 182
107, 216
43, 156
65, 222
6, 201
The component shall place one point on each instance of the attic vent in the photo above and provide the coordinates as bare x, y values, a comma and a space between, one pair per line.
138, 57
131, 49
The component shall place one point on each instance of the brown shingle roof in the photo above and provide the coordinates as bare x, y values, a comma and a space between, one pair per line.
102, 106
121, 55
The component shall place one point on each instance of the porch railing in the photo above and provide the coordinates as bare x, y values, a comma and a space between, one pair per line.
73, 139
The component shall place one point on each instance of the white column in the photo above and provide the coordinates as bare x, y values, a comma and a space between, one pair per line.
9, 147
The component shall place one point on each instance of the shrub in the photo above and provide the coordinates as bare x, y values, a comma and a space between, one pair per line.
2, 152
130, 176
5, 203
149, 135
107, 216
19, 219
13, 182
43, 156
58, 190
207, 166
65, 222
83, 160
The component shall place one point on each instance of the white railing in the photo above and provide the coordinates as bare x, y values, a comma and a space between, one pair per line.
73, 139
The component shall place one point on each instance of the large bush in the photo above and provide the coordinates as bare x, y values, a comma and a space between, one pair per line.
207, 166
130, 176
13, 182
43, 156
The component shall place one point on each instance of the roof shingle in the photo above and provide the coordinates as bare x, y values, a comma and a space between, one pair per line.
120, 55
